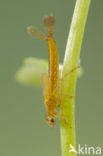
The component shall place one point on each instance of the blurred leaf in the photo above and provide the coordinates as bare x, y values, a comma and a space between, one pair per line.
31, 71
80, 72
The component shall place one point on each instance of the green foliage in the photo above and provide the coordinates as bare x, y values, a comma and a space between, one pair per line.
31, 71
69, 84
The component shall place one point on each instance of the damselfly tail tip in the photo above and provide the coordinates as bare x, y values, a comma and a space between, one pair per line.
49, 22
34, 32
30, 30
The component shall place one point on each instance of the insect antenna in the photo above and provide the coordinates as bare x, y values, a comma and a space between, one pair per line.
49, 22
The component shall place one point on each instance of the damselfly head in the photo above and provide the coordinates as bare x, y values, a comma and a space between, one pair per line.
51, 119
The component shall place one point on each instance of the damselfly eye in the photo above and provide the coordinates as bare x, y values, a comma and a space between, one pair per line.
52, 120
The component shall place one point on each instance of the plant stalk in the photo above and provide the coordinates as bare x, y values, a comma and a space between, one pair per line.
71, 60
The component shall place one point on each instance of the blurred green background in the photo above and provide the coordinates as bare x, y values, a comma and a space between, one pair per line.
23, 130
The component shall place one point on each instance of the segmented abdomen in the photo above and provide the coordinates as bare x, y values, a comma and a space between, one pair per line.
53, 66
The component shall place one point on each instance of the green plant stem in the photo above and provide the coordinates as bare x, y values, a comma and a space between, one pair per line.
69, 83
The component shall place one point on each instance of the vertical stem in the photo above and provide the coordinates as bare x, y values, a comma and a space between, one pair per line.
69, 83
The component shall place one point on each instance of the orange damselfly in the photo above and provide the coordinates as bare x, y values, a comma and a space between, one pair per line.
51, 85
